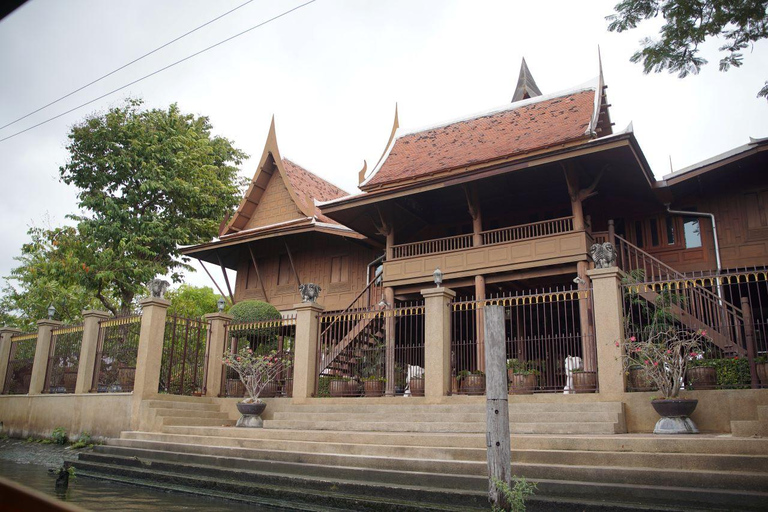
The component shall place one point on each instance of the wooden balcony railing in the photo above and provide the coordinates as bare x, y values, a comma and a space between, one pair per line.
490, 237
527, 231
450, 243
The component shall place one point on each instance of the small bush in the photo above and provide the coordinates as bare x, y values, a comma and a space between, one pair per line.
253, 311
516, 495
732, 373
83, 440
59, 435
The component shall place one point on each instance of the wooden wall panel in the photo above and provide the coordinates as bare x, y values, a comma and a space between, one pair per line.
275, 206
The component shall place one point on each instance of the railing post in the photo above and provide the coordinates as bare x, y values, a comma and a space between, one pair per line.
437, 341
42, 351
389, 341
612, 232
749, 338
609, 328
87, 359
6, 333
214, 351
150, 353
305, 357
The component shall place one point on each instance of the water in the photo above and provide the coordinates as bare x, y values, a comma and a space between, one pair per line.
93, 494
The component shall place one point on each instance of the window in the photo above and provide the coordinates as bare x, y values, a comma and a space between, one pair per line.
639, 233
692, 232
654, 225
339, 269
285, 272
670, 230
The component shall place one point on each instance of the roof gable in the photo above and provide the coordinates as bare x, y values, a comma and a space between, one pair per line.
523, 127
280, 191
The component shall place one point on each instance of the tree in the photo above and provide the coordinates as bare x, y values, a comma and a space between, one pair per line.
193, 301
149, 181
49, 272
688, 23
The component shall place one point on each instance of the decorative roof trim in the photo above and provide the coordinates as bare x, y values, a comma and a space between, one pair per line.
525, 84
592, 129
753, 144
387, 149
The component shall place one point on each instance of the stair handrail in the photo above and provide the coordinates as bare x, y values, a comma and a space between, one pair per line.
373, 285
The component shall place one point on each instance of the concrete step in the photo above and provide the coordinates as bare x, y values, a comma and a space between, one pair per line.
749, 428
197, 421
459, 417
192, 406
340, 447
605, 427
319, 491
762, 413
183, 398
190, 413
453, 467
407, 406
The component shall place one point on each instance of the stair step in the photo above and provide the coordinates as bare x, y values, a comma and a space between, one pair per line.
598, 427
205, 422
404, 406
183, 398
438, 426
192, 406
447, 417
190, 413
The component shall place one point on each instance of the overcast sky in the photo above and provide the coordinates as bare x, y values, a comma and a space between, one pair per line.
331, 73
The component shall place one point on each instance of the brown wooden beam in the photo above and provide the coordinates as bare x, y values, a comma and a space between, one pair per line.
211, 277
226, 279
258, 275
290, 258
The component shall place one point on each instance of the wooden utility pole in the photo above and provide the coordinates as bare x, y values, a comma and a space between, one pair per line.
497, 406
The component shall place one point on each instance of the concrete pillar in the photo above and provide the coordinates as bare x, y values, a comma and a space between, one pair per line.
609, 328
305, 356
88, 348
389, 342
6, 333
42, 352
437, 340
217, 342
480, 322
150, 352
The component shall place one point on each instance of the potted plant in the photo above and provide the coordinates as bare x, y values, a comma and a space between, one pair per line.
665, 357
761, 365
256, 372
522, 378
584, 381
472, 383
374, 386
416, 385
638, 381
338, 386
701, 374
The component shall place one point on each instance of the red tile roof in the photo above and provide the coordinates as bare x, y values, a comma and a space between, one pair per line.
308, 186
517, 130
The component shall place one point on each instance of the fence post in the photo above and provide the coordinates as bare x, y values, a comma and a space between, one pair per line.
437, 342
150, 353
749, 339
87, 360
305, 357
6, 333
215, 351
42, 351
609, 328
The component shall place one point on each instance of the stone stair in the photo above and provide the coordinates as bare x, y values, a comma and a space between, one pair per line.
168, 410
359, 468
752, 428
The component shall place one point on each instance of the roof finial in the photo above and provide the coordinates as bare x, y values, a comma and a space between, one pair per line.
526, 85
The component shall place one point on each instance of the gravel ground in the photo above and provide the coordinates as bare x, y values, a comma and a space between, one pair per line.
52, 455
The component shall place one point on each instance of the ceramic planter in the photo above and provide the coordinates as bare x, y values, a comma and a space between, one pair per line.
235, 388
639, 381
473, 384
675, 414
250, 414
762, 373
417, 386
337, 388
584, 382
126, 376
520, 384
701, 377
374, 387
353, 388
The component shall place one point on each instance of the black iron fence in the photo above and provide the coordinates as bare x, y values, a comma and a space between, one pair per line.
63, 359
116, 352
182, 368
20, 360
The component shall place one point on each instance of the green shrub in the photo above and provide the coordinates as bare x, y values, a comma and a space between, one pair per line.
262, 340
59, 435
324, 384
732, 373
514, 496
83, 440
253, 311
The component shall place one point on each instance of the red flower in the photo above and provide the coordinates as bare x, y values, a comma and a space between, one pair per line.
632, 338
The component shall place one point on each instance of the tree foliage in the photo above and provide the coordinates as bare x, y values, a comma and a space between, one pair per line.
49, 272
688, 23
149, 181
193, 301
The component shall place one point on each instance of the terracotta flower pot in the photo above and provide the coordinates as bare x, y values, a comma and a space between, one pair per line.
701, 377
473, 384
353, 388
235, 388
584, 382
639, 381
68, 380
337, 388
762, 373
374, 387
126, 376
520, 384
417, 386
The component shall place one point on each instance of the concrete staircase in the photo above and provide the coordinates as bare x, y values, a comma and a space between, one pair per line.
417, 457
169, 410
752, 428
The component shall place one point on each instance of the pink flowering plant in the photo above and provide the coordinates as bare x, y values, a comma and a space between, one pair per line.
256, 370
664, 357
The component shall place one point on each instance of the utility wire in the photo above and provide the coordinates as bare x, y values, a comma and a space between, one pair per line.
159, 70
126, 65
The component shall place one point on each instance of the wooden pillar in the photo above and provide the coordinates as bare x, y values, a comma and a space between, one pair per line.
390, 242
479, 323
42, 352
477, 215
88, 349
214, 350
305, 354
572, 180
437, 340
587, 330
612, 232
6, 333
389, 340
749, 332
497, 407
